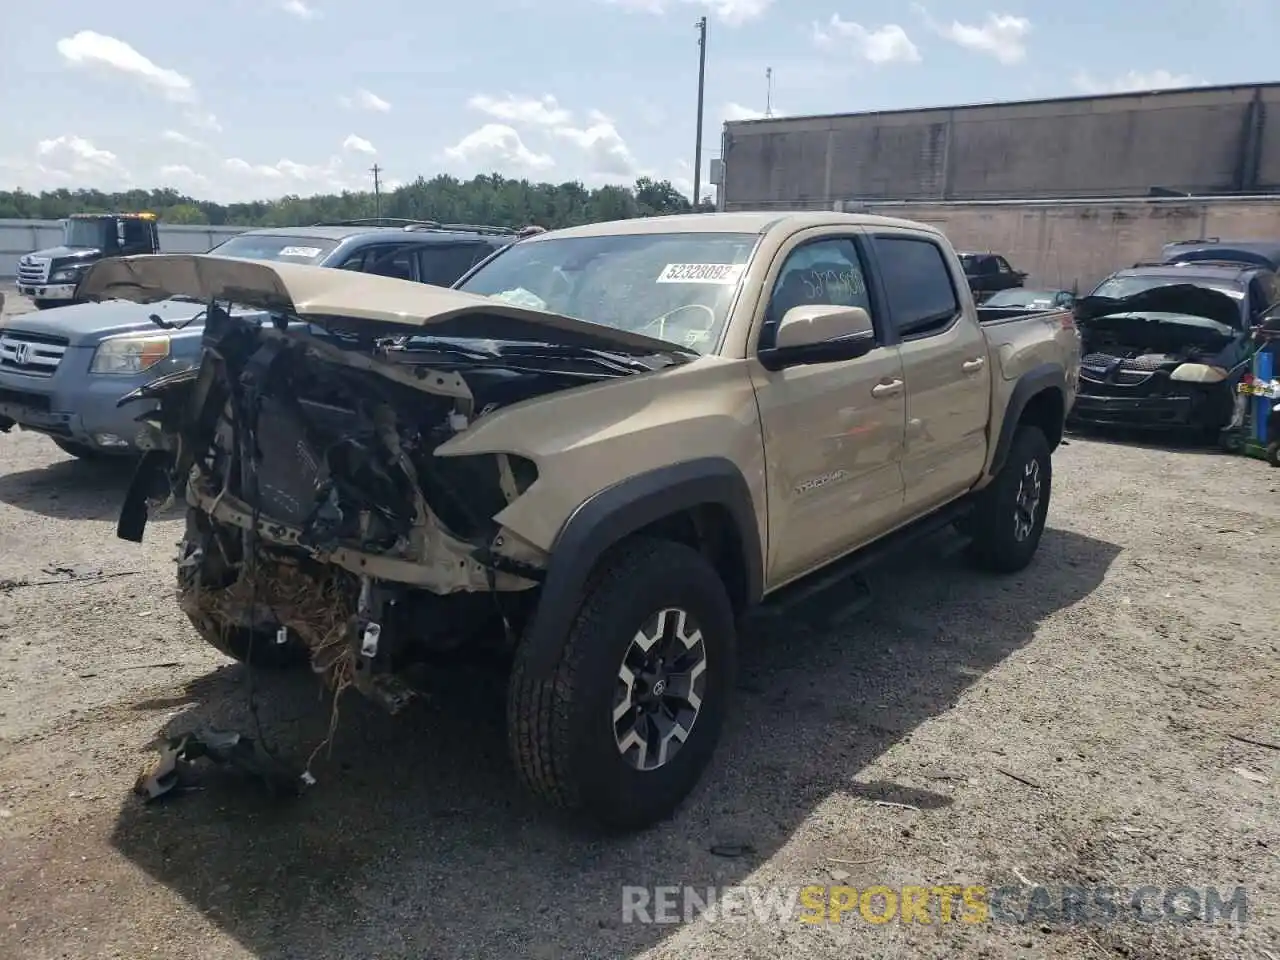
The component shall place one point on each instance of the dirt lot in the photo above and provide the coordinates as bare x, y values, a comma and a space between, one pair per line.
1068, 726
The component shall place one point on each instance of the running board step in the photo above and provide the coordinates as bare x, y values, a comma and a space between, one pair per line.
846, 574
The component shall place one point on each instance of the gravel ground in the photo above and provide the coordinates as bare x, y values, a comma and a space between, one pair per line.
1070, 725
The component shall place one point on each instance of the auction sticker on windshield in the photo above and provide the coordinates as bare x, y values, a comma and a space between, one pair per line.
722, 273
307, 252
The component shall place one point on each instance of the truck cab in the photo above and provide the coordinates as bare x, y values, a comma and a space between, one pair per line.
49, 276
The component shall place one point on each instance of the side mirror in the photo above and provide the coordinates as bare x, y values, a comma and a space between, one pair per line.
820, 334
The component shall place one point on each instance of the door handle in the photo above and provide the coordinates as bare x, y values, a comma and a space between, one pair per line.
973, 366
892, 388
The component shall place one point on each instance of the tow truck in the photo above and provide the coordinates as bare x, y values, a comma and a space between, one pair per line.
49, 277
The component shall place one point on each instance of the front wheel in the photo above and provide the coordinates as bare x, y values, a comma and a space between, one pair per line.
1008, 520
256, 647
623, 726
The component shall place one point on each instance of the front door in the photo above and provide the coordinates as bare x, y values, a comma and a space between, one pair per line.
945, 366
832, 431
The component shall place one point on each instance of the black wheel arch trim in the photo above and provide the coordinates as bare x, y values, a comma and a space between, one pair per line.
1046, 376
622, 509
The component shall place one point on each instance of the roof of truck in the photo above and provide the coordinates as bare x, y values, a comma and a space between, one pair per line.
752, 222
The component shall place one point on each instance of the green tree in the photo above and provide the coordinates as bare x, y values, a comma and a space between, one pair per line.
486, 199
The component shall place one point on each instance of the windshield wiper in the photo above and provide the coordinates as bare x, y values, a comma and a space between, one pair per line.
443, 347
613, 360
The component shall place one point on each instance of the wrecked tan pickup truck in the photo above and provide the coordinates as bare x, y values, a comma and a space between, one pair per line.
747, 406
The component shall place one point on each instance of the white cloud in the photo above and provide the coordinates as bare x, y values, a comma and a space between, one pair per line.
1134, 80
203, 120
180, 173
497, 147
607, 153
365, 100
175, 136
298, 9
67, 161
1001, 35
887, 44
542, 111
358, 145
89, 49
733, 13
736, 111
78, 151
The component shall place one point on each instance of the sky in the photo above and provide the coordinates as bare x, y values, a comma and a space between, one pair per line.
250, 99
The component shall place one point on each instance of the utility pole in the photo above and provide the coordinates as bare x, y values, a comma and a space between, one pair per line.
377, 190
768, 91
702, 80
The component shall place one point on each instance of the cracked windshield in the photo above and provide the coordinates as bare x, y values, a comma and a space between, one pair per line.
673, 287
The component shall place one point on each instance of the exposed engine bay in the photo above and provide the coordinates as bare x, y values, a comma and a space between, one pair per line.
1143, 339
320, 520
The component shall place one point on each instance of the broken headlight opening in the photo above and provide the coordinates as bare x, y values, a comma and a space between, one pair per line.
319, 521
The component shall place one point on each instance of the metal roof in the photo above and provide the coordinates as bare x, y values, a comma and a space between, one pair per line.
1163, 93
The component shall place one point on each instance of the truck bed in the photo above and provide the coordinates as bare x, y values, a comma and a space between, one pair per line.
993, 315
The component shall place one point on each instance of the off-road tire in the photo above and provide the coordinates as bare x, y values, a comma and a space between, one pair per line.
559, 724
257, 648
995, 545
80, 451
1273, 453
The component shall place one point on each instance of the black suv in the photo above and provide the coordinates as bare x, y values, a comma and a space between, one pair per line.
425, 251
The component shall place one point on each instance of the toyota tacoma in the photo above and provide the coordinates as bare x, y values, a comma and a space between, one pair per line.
598, 452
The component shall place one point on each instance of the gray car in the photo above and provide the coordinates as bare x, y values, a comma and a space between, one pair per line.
63, 371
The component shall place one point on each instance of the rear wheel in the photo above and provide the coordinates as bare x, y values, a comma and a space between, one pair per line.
623, 726
1008, 520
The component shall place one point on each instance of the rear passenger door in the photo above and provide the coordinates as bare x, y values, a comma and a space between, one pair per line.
832, 431
383, 260
945, 368
442, 264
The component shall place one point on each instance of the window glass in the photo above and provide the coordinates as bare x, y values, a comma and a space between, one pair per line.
676, 287
394, 262
1269, 289
135, 233
443, 263
288, 249
824, 272
917, 284
1119, 287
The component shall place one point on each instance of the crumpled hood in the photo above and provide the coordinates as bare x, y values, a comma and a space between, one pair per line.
85, 324
399, 307
1187, 298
